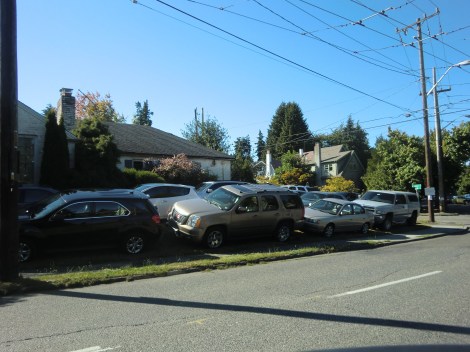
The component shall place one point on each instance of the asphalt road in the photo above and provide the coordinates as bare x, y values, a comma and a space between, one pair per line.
413, 295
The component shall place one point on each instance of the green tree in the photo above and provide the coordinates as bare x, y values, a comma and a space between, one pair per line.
143, 115
210, 134
353, 137
396, 162
293, 171
464, 182
55, 157
91, 105
260, 146
242, 166
96, 156
288, 131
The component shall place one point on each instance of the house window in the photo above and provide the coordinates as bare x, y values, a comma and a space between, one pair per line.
138, 164
328, 168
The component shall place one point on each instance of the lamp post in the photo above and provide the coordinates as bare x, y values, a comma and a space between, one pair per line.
440, 172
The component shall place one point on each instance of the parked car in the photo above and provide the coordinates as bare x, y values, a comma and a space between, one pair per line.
75, 219
298, 189
207, 187
30, 194
465, 199
238, 211
391, 207
164, 195
330, 215
311, 197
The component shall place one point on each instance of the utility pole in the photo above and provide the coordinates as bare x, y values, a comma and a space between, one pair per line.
440, 172
8, 148
427, 145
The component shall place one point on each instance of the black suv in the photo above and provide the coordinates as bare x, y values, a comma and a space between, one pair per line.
74, 219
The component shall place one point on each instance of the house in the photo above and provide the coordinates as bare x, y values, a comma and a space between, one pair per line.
334, 161
139, 143
31, 131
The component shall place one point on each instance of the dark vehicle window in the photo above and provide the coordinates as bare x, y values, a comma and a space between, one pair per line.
76, 210
110, 209
269, 203
358, 209
400, 199
413, 198
347, 210
178, 191
158, 192
291, 201
251, 204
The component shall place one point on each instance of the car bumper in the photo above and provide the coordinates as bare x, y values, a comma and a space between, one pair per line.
184, 231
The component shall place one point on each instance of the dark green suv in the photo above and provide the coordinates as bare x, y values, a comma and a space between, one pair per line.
75, 219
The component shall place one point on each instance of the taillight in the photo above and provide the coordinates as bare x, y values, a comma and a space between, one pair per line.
156, 219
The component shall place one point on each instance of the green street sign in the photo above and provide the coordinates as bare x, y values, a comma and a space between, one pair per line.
416, 186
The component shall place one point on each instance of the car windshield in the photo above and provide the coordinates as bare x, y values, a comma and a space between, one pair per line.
222, 199
379, 197
202, 187
326, 206
45, 206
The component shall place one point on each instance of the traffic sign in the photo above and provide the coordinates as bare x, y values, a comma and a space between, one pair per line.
416, 186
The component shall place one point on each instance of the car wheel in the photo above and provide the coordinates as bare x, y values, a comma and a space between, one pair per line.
329, 230
365, 228
387, 224
214, 237
134, 243
26, 250
283, 232
412, 220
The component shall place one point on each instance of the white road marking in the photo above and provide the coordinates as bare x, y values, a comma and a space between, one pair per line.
96, 349
386, 284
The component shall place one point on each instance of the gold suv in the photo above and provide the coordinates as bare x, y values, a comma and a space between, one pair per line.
238, 211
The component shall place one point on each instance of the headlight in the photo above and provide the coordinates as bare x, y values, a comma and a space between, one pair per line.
378, 212
194, 221
312, 221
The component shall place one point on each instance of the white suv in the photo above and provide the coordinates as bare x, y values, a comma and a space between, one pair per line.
164, 195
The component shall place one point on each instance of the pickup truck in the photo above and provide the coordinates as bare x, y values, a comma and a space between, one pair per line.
391, 207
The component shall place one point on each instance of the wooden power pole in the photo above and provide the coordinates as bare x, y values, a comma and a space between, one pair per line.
8, 146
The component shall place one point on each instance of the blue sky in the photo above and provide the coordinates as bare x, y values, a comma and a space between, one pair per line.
240, 59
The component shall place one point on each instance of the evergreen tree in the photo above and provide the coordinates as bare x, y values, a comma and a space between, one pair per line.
143, 114
242, 166
55, 157
288, 131
260, 147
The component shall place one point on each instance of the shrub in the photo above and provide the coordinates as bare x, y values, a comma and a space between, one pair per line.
137, 177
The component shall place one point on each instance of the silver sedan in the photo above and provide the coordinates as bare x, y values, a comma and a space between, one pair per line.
331, 215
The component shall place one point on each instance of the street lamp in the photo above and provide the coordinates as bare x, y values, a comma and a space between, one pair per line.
440, 172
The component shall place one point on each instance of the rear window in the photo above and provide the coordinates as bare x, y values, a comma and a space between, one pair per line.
413, 198
291, 201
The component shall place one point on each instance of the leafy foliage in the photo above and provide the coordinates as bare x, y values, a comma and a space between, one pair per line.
210, 134
179, 169
353, 137
464, 182
96, 156
288, 131
396, 163
91, 105
292, 170
242, 166
55, 157
137, 177
143, 115
338, 184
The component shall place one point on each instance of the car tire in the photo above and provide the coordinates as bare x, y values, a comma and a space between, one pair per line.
365, 228
329, 230
134, 243
26, 250
283, 232
387, 224
214, 237
412, 220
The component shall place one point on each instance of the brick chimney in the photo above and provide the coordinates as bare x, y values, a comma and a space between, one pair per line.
66, 109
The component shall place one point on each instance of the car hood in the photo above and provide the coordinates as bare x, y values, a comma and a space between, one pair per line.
195, 206
317, 214
371, 203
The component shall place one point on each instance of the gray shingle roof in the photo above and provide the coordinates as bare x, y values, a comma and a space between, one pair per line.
147, 140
